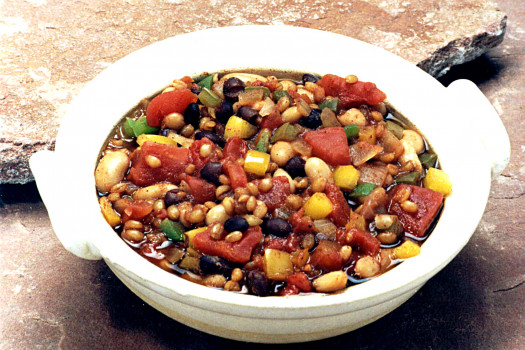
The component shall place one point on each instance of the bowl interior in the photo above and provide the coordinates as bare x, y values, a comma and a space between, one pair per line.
417, 95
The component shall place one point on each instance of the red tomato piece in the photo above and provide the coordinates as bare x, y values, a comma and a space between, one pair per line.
234, 149
428, 204
272, 121
351, 95
329, 144
239, 252
289, 244
196, 158
300, 223
236, 174
327, 256
276, 196
200, 189
291, 289
137, 210
341, 211
173, 162
364, 241
174, 101
301, 281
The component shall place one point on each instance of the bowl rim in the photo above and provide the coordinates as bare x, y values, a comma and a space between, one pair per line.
409, 275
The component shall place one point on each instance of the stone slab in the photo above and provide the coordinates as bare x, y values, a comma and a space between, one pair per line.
50, 48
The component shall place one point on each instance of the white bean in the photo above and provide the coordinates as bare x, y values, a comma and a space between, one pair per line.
216, 214
282, 172
316, 167
414, 139
245, 77
410, 155
111, 170
352, 116
291, 115
330, 282
154, 191
281, 152
367, 267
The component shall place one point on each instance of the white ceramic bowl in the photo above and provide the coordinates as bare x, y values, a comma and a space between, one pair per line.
459, 122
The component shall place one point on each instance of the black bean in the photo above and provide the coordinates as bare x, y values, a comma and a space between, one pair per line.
216, 139
210, 265
236, 223
172, 197
258, 283
211, 172
248, 114
232, 88
313, 121
309, 77
295, 167
164, 132
277, 227
224, 111
192, 115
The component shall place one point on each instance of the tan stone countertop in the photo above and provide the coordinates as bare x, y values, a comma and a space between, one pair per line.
50, 299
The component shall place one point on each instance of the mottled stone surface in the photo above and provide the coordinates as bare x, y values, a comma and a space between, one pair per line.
49, 299
50, 49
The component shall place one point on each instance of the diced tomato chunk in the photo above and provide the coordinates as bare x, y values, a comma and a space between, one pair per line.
234, 149
173, 161
197, 159
272, 121
276, 196
301, 223
236, 174
200, 190
289, 244
327, 256
137, 210
174, 101
428, 204
341, 210
364, 241
239, 252
329, 144
351, 95
301, 281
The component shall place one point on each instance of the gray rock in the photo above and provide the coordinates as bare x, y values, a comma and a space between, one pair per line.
51, 49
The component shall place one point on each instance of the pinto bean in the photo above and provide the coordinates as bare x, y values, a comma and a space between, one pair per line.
111, 170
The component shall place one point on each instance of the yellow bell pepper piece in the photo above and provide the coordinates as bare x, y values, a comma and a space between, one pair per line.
318, 206
192, 233
407, 249
256, 162
277, 264
437, 180
155, 138
239, 127
346, 177
112, 218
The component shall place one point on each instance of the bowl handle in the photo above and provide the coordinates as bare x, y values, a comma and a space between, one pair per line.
482, 118
63, 217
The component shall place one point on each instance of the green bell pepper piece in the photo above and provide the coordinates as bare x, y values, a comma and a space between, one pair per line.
206, 82
135, 128
208, 98
278, 94
351, 130
410, 178
173, 230
395, 129
264, 141
286, 132
329, 103
428, 160
363, 189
